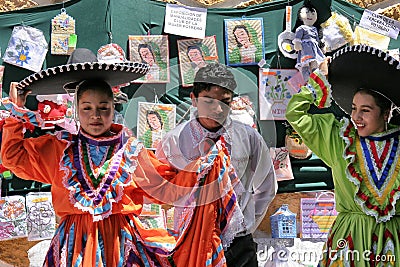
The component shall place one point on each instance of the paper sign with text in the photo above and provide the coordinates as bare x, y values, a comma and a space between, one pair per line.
185, 21
380, 24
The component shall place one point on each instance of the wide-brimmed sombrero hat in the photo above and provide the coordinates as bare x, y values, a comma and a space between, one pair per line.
81, 65
362, 66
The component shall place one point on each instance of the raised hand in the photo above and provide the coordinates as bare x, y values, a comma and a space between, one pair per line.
18, 97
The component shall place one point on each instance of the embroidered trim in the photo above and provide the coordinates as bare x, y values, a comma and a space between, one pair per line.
363, 199
27, 116
83, 196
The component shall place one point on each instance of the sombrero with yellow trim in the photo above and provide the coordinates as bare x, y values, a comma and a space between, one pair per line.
82, 65
362, 66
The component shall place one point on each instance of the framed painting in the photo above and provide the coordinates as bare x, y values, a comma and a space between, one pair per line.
275, 90
154, 121
152, 50
244, 39
193, 54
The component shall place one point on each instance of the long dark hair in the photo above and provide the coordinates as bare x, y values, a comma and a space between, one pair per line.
98, 85
241, 26
154, 112
140, 46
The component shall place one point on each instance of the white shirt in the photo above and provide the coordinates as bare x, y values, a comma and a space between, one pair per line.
249, 156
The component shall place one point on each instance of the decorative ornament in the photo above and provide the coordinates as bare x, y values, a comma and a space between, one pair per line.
63, 37
27, 48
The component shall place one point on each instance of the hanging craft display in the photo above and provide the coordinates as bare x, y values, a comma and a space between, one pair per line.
57, 109
244, 40
317, 215
154, 121
52, 109
274, 92
370, 38
12, 217
153, 216
63, 37
285, 39
282, 166
242, 110
27, 48
295, 145
41, 219
152, 50
336, 32
194, 54
111, 53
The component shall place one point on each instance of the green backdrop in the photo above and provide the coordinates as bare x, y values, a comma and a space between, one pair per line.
140, 17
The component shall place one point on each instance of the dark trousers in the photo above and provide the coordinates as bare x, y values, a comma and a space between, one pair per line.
242, 252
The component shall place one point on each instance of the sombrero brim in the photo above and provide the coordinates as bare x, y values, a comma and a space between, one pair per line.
362, 66
52, 80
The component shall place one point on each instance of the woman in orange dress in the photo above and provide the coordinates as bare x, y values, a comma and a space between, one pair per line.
99, 179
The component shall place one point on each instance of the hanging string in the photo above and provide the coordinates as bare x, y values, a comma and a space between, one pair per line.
278, 62
108, 22
156, 100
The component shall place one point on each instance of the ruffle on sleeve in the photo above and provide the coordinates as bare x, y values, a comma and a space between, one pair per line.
320, 88
30, 118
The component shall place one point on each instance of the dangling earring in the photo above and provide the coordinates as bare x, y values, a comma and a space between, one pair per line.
386, 126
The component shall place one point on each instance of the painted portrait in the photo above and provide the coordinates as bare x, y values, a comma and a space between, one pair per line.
152, 50
244, 39
154, 121
193, 54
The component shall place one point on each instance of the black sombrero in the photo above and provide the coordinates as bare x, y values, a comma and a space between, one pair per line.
82, 65
362, 66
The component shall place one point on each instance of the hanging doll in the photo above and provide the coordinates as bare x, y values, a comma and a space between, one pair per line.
307, 42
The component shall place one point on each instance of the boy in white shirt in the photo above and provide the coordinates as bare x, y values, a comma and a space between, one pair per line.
213, 91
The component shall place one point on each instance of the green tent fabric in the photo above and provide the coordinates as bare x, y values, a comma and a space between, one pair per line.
140, 17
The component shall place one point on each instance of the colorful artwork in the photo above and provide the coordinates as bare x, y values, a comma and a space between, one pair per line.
274, 92
27, 48
62, 34
317, 215
41, 219
244, 41
12, 217
194, 54
154, 121
152, 50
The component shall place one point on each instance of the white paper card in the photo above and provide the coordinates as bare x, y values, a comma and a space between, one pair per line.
185, 21
380, 24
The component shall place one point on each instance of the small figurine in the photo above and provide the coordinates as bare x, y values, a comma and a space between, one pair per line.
307, 42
